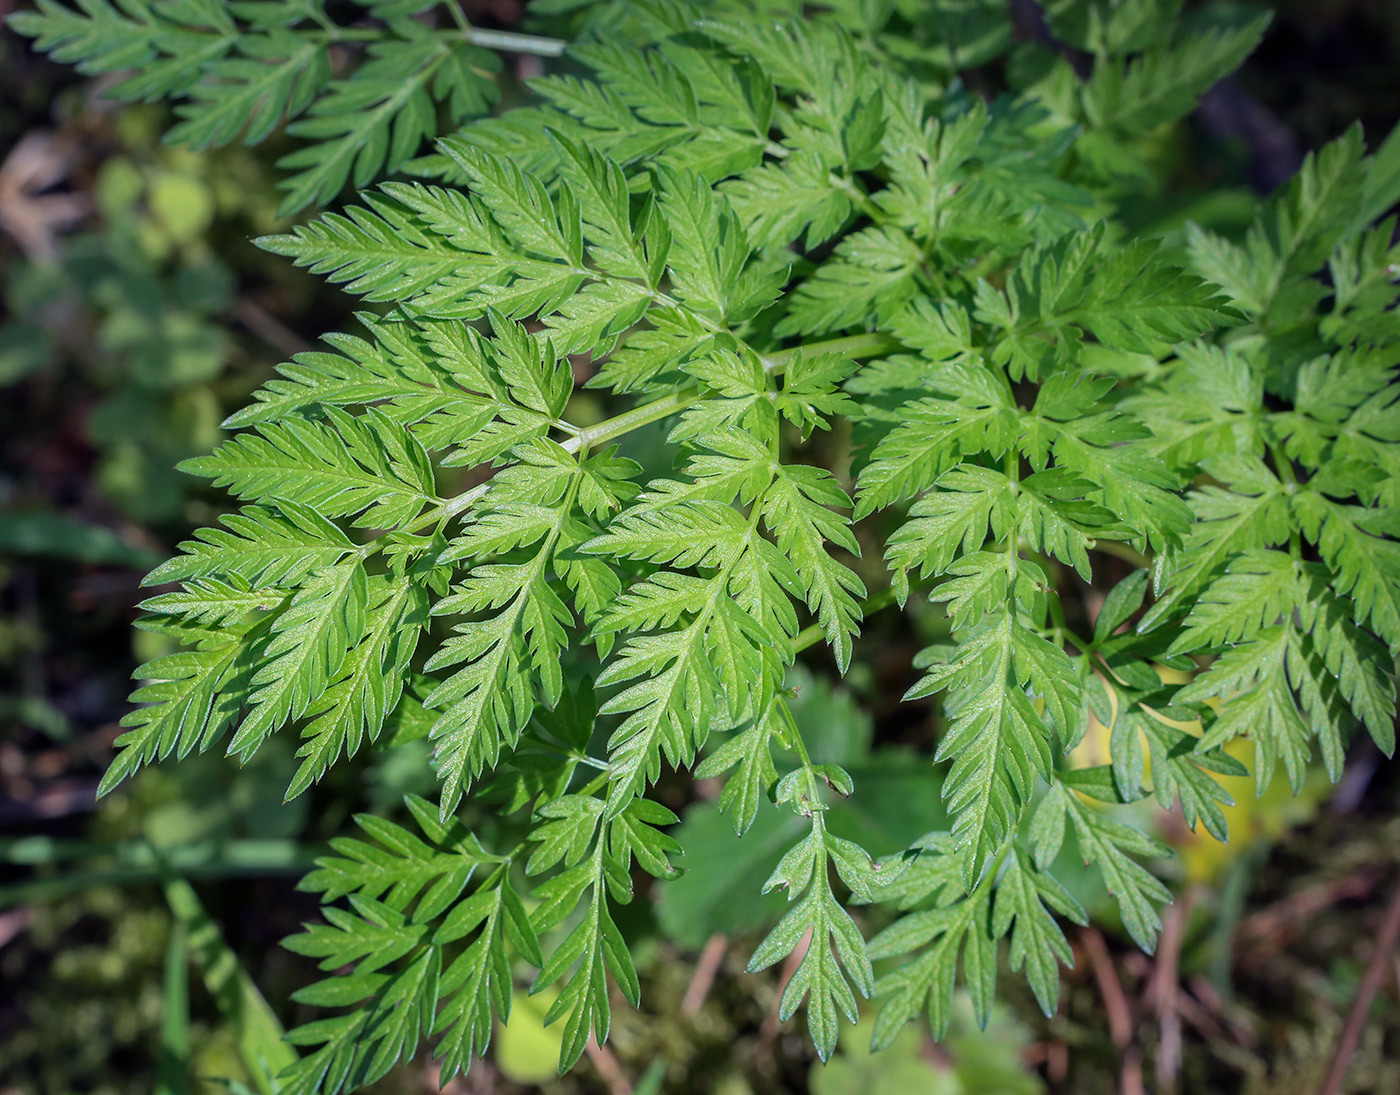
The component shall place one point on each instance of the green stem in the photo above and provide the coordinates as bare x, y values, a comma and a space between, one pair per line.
1284, 467
809, 636
859, 198
324, 22
351, 34
508, 41
1074, 637
450, 508
591, 437
983, 266
872, 344
795, 741
1011, 465
997, 860
454, 8
1061, 630
1126, 552
613, 428
512, 42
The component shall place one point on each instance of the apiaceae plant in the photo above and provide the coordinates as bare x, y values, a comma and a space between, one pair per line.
882, 344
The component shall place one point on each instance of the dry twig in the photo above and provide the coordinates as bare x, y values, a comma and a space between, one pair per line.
1273, 924
609, 1071
1365, 994
705, 969
1115, 1001
1164, 989
31, 217
1119, 1010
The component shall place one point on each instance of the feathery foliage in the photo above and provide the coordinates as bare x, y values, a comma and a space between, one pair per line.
816, 283
362, 95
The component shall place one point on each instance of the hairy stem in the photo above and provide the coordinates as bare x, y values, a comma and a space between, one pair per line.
508, 41
613, 428
513, 42
872, 344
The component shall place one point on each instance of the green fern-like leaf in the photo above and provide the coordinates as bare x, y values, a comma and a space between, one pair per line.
243, 71
743, 331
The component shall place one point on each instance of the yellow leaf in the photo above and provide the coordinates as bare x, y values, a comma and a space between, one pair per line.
526, 1050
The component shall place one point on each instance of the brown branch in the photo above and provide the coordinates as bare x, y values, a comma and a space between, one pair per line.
705, 969
1115, 1002
1120, 1012
609, 1071
1365, 994
1274, 922
1164, 988
1240, 1028
269, 328
1200, 1017
1053, 1056
1130, 1079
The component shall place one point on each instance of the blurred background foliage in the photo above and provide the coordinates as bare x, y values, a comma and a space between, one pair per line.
135, 314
